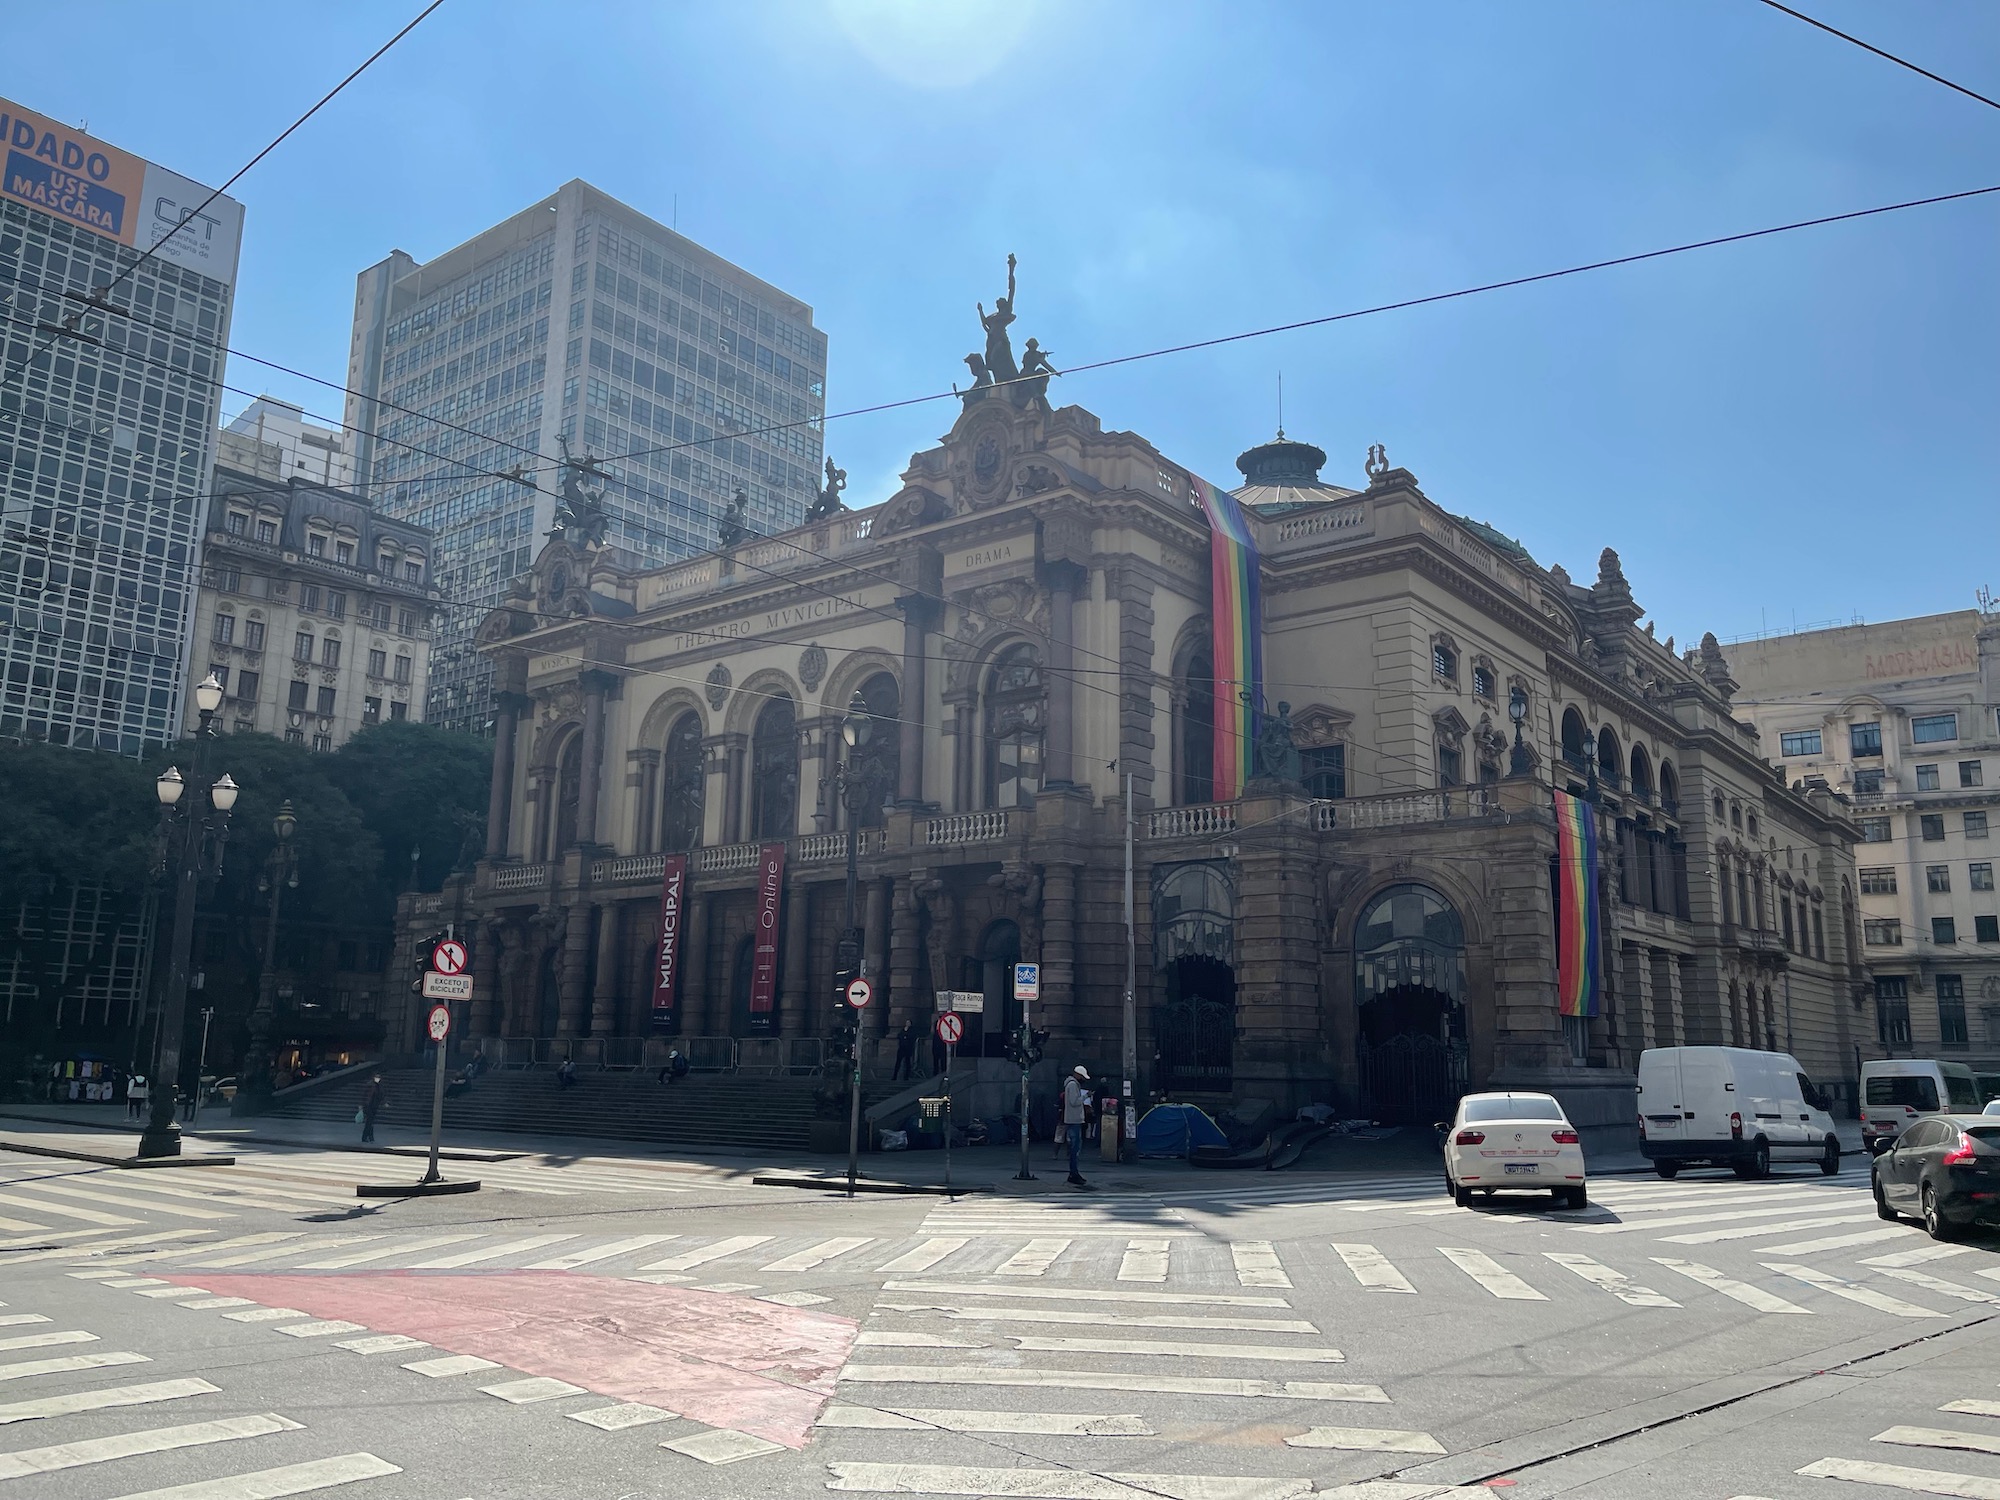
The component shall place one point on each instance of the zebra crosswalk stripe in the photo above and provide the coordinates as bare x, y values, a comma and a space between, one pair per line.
1490, 1274
1033, 1258
1899, 1477
1257, 1264
1371, 1268
1144, 1260
75, 1455
489, 1252
1026, 1423
1939, 1437
1939, 1284
383, 1252
1614, 1282
688, 1260
1750, 1296
274, 1484
924, 1256
62, 1211
1111, 1380
1880, 1301
576, 1258
1054, 1484
825, 1250
104, 1399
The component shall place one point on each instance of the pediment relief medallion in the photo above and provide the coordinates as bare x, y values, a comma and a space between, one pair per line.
1318, 725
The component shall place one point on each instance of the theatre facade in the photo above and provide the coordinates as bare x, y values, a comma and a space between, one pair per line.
1024, 630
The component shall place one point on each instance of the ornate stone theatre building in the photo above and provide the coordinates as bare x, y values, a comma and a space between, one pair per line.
1024, 625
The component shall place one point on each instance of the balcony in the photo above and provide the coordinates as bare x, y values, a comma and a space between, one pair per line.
628, 869
966, 828
726, 859
1204, 820
824, 848
520, 877
1404, 808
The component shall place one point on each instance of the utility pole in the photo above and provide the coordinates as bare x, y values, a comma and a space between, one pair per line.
1130, 1061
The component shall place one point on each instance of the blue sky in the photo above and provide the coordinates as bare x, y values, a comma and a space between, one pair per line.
1799, 429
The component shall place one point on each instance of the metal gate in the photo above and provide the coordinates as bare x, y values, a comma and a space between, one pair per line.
1412, 1079
1197, 1039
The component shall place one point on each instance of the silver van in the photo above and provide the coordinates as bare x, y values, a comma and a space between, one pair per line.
1895, 1091
1731, 1106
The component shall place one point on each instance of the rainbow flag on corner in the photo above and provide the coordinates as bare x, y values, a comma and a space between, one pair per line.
1238, 635
1578, 940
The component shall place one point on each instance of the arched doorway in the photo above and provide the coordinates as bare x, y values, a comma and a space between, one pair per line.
1409, 988
1194, 1029
991, 973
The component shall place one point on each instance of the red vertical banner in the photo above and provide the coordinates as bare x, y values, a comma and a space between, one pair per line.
667, 973
764, 947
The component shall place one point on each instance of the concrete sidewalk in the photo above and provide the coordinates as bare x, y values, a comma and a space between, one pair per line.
1411, 1152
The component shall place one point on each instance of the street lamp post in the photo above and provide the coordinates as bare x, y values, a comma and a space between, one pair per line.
857, 729
281, 873
195, 835
1519, 762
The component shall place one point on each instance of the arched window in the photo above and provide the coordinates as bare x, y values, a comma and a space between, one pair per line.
1015, 713
683, 785
1735, 816
1575, 739
774, 771
1718, 807
569, 793
1197, 729
878, 762
1609, 770
1670, 787
1642, 772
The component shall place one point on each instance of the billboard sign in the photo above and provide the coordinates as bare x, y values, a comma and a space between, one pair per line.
764, 947
666, 977
83, 181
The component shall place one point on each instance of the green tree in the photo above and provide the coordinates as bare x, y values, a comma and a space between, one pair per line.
418, 787
78, 833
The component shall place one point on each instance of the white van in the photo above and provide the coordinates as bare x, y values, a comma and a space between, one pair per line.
1731, 1106
1895, 1090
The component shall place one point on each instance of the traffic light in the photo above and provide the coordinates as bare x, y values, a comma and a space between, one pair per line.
420, 960
840, 1045
1024, 1046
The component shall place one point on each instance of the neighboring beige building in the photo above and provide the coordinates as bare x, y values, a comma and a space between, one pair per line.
1027, 619
315, 611
1900, 718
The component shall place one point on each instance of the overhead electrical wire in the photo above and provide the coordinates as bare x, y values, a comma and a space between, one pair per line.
151, 250
1885, 55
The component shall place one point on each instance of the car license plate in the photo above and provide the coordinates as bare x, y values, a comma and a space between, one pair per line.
1523, 1166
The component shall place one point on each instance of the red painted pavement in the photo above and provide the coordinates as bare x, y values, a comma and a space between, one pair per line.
724, 1361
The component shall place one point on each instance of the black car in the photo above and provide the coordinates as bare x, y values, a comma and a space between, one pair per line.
1944, 1169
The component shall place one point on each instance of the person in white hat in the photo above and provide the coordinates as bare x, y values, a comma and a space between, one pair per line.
1076, 1107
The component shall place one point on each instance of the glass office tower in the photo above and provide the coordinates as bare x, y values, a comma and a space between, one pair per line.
576, 320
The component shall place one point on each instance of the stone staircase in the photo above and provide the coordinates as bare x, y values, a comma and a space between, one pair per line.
728, 1113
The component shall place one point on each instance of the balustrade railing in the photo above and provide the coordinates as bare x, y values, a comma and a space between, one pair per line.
628, 867
520, 877
1204, 820
821, 848
966, 828
725, 859
1403, 808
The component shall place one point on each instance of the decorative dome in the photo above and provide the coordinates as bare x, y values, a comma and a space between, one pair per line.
1283, 474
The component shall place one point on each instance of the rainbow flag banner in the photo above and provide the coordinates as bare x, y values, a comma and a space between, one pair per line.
1578, 939
1238, 635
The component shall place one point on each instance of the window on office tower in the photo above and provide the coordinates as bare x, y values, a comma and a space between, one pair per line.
1799, 742
1934, 728
1927, 778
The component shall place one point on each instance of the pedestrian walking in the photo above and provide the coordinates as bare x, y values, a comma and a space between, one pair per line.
138, 1093
371, 1106
906, 1051
1075, 1110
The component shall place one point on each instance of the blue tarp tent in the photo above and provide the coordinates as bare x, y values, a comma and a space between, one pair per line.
1176, 1129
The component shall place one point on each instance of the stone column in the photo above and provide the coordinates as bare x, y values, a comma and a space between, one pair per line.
965, 754
920, 616
1059, 999
485, 1009
1666, 997
734, 795
596, 686
875, 943
572, 967
1280, 1043
697, 1012
604, 989
1637, 971
643, 776
905, 953
796, 1012
1065, 580
500, 790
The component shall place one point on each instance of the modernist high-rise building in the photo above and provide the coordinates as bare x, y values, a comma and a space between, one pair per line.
106, 439
576, 321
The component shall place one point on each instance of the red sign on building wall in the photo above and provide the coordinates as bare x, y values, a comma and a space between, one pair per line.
764, 947
667, 973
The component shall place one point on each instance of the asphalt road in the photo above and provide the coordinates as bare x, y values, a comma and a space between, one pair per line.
619, 1329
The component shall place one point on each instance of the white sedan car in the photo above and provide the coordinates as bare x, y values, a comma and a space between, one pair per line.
1511, 1143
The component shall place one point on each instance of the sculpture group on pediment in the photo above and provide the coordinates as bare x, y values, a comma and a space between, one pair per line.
580, 518
1025, 383
828, 502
